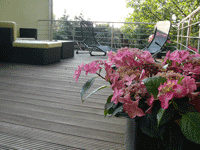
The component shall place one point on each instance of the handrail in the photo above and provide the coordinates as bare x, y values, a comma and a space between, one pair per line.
115, 37
189, 16
181, 26
103, 22
117, 40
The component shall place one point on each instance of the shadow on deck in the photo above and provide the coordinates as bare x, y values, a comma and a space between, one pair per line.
40, 108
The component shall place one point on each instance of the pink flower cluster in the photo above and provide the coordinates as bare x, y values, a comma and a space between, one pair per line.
92, 68
126, 81
183, 62
126, 69
173, 89
193, 48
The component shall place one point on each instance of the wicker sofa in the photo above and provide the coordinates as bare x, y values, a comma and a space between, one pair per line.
17, 50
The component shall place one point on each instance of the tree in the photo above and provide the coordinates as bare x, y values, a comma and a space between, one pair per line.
66, 29
148, 11
62, 28
152, 12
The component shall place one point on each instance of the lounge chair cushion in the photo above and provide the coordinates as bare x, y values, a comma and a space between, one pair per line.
36, 44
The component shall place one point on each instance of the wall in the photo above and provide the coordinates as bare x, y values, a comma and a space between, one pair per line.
25, 13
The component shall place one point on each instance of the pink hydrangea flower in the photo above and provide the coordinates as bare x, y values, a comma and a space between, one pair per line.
193, 48
132, 109
129, 79
78, 72
92, 67
164, 99
189, 83
150, 100
116, 95
179, 91
166, 58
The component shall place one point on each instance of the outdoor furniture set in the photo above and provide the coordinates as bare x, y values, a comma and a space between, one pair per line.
27, 49
30, 50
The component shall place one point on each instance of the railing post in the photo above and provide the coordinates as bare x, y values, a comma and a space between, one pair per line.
199, 41
51, 23
188, 31
178, 34
73, 30
112, 35
182, 35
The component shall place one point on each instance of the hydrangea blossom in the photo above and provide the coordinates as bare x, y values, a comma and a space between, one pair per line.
177, 86
132, 65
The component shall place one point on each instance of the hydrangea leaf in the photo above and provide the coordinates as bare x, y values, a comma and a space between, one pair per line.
180, 80
190, 125
108, 106
119, 109
152, 84
160, 114
86, 87
96, 90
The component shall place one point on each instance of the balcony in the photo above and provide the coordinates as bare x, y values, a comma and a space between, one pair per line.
41, 107
125, 34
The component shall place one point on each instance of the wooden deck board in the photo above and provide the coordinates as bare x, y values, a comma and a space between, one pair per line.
42, 104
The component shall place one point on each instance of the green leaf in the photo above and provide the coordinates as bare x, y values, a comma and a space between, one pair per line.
110, 111
153, 83
96, 90
180, 80
119, 109
108, 105
190, 126
159, 115
86, 87
169, 62
109, 98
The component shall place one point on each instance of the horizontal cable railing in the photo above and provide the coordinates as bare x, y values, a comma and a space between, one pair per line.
114, 34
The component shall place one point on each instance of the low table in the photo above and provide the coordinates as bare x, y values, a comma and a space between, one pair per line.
67, 50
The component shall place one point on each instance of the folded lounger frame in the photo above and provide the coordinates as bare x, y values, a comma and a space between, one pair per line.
89, 40
161, 35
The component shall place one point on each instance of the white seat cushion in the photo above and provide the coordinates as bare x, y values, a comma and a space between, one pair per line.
36, 44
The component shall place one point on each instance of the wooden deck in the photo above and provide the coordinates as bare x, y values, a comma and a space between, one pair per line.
40, 108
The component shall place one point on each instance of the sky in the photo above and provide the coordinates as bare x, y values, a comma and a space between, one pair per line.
96, 10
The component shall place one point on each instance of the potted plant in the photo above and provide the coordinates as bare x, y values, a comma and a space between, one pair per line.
161, 101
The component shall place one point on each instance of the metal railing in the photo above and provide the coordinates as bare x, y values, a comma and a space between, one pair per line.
184, 35
188, 32
113, 34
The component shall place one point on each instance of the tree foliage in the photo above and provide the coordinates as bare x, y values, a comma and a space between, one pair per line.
149, 11
66, 28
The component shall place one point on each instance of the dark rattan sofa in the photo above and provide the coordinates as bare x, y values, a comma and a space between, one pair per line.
26, 51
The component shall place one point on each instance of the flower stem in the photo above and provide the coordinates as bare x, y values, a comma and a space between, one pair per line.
100, 76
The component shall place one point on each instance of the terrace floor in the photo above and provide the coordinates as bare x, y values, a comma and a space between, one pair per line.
40, 108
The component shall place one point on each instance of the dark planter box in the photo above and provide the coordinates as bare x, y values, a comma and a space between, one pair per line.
137, 140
